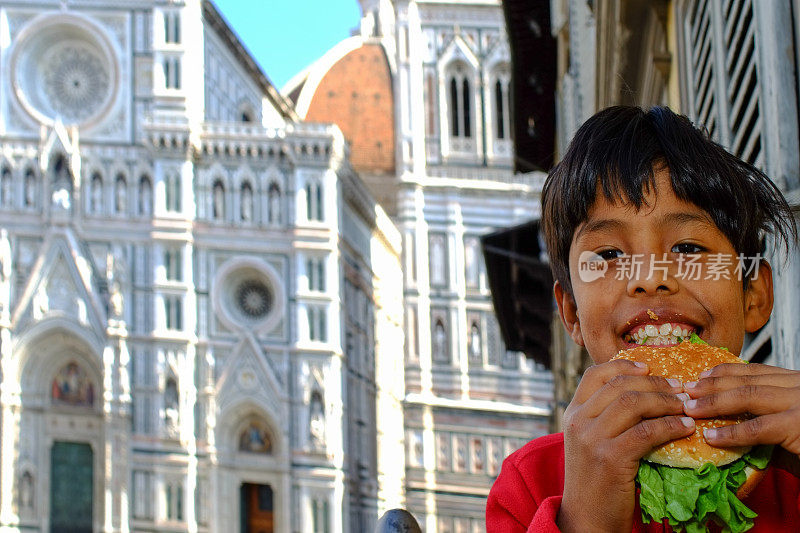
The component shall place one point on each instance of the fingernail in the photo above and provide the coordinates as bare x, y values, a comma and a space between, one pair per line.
674, 382
687, 421
705, 374
640, 364
690, 385
690, 404
682, 396
710, 433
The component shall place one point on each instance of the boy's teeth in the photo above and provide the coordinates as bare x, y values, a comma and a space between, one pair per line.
658, 335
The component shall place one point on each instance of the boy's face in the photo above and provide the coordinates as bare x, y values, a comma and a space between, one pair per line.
633, 271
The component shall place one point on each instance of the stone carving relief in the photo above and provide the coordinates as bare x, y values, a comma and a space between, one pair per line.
26, 493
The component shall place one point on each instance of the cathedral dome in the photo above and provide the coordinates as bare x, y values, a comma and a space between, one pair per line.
351, 86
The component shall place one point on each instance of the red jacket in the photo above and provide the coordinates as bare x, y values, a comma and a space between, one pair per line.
527, 494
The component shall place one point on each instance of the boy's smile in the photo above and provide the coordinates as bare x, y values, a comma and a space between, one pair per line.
645, 292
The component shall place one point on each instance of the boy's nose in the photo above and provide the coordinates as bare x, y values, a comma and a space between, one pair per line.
652, 278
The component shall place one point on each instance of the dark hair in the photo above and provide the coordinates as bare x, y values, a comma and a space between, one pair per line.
616, 150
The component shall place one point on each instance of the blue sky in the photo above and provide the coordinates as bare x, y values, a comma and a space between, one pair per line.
285, 36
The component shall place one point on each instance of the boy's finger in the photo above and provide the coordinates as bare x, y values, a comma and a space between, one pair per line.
754, 399
714, 384
598, 375
648, 434
738, 369
767, 429
626, 384
632, 407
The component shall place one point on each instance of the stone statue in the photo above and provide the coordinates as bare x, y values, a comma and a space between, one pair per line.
120, 195
219, 201
439, 342
26, 492
317, 420
475, 341
171, 407
274, 204
247, 203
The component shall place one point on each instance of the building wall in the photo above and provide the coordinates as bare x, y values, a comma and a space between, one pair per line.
469, 402
178, 282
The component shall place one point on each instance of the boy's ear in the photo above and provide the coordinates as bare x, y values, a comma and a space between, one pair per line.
758, 298
568, 312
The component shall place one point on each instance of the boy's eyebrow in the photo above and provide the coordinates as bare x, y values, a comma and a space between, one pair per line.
600, 225
611, 224
682, 217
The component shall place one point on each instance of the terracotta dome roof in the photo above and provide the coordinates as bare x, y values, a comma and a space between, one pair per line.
356, 94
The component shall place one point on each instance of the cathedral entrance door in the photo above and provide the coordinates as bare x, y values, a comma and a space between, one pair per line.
71, 487
256, 508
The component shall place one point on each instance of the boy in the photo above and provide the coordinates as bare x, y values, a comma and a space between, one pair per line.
641, 195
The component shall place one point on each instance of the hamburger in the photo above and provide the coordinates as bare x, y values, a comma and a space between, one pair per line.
687, 481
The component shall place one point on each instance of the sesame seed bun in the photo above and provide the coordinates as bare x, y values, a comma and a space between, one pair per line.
685, 362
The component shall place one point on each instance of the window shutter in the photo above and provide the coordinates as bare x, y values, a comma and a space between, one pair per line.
721, 55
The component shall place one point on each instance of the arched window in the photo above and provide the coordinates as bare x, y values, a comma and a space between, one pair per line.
274, 203
173, 500
218, 201
30, 188
314, 209
246, 201
96, 194
460, 102
5, 187
502, 111
145, 196
455, 123
173, 191
120, 194
246, 113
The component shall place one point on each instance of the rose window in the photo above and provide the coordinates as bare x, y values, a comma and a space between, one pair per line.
65, 68
253, 298
74, 82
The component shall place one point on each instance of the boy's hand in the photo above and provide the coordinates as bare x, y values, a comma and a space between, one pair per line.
618, 414
771, 394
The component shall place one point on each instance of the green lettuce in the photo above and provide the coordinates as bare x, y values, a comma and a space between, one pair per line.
688, 498
695, 338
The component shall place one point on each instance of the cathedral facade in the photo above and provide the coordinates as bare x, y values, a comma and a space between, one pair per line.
421, 94
200, 303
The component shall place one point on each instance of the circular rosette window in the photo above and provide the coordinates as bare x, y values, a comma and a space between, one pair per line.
63, 68
247, 294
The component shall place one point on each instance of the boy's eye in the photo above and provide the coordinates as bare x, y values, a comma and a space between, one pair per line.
687, 248
610, 254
